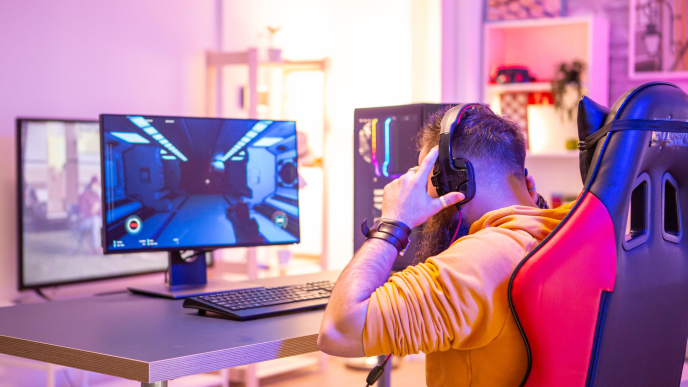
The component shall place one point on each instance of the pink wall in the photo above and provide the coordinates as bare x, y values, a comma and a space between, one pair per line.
79, 58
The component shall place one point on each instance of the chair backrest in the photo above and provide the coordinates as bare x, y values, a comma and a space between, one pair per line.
603, 301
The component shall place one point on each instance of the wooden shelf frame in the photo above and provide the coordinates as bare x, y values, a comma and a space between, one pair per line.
215, 61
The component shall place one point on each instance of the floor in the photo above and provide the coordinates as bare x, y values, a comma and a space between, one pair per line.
409, 373
201, 216
406, 374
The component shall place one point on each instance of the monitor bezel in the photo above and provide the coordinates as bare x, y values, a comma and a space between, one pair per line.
21, 285
105, 245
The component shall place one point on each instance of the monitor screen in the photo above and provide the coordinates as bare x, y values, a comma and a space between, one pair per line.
60, 207
176, 183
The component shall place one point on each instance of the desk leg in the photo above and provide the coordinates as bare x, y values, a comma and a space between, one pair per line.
386, 377
251, 377
156, 384
50, 382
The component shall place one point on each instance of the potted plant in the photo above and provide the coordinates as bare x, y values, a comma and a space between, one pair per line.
567, 74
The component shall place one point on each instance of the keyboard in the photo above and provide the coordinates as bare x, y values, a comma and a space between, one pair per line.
256, 303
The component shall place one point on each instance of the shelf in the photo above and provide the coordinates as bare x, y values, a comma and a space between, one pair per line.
305, 65
516, 87
523, 87
541, 45
567, 154
539, 22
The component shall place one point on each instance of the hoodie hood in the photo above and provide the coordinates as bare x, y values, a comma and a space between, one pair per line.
535, 221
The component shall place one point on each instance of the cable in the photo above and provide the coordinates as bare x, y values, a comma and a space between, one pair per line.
376, 372
458, 226
42, 295
68, 377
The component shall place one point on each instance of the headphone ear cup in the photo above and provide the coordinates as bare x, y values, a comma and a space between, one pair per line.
435, 178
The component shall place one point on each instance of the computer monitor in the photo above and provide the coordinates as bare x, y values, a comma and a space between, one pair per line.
59, 208
194, 184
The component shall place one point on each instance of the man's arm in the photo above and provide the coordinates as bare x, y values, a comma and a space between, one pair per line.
406, 200
342, 328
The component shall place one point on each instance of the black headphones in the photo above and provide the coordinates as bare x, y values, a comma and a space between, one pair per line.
453, 174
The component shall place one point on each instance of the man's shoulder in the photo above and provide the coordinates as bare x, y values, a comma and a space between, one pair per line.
487, 246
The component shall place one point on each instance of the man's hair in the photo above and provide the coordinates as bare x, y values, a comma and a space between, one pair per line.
482, 137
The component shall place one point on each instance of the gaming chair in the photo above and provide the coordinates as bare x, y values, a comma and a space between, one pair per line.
603, 300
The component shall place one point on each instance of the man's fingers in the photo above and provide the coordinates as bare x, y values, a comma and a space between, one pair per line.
428, 162
453, 198
448, 200
411, 172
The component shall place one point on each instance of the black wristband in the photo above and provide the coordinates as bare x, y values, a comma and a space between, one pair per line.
392, 231
397, 223
388, 238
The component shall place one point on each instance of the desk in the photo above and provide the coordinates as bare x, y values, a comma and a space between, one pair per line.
153, 340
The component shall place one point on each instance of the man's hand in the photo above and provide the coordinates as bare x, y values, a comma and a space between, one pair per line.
406, 199
530, 184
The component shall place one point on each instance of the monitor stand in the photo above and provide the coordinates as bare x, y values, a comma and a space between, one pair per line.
187, 277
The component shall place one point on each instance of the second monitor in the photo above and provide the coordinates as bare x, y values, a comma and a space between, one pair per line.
180, 183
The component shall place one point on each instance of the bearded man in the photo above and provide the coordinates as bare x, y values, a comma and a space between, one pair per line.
452, 304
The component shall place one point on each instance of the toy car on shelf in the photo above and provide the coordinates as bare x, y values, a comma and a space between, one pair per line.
511, 74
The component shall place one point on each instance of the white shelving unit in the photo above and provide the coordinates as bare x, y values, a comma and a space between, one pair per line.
277, 71
541, 45
492, 89
567, 154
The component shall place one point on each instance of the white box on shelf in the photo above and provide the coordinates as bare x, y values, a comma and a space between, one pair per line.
548, 131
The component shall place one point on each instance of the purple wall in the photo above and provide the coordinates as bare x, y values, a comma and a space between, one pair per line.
79, 58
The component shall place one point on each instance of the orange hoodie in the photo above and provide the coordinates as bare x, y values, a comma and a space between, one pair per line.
454, 307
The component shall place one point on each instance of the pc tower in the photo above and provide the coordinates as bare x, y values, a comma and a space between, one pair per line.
384, 149
188, 185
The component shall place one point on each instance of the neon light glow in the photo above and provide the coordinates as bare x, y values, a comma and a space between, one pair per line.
139, 121
132, 138
374, 140
386, 163
248, 137
168, 157
145, 125
267, 141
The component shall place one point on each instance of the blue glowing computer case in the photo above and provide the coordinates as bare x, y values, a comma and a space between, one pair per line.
384, 149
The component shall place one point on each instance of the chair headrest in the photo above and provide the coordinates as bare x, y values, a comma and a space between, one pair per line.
591, 117
651, 101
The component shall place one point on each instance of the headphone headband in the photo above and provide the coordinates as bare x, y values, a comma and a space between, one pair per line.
453, 116
453, 174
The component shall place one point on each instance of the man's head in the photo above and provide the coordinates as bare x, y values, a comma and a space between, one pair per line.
496, 148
